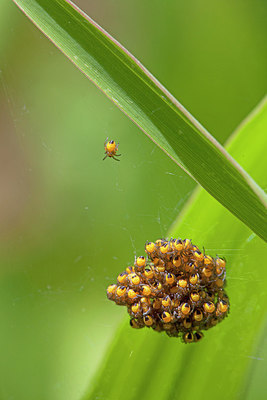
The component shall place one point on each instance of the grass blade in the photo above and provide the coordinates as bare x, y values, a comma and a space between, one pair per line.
148, 104
144, 364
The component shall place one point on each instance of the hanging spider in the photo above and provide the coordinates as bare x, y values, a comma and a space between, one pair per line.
111, 149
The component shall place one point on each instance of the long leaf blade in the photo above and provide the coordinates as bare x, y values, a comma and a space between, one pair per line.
144, 364
148, 104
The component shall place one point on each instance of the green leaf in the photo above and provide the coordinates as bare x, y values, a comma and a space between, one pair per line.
145, 364
147, 103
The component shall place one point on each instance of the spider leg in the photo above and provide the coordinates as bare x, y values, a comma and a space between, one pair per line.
105, 157
115, 158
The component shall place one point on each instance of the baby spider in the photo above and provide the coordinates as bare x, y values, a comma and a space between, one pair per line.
111, 149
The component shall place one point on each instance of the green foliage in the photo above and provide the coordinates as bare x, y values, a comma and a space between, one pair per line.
69, 222
151, 365
137, 93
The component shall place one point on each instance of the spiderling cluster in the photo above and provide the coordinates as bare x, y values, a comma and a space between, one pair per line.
178, 290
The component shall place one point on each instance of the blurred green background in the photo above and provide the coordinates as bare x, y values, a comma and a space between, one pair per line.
69, 222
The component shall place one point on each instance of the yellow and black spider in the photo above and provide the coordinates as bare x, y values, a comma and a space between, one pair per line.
177, 289
111, 149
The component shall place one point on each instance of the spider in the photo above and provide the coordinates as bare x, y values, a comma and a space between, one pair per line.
111, 149
178, 289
